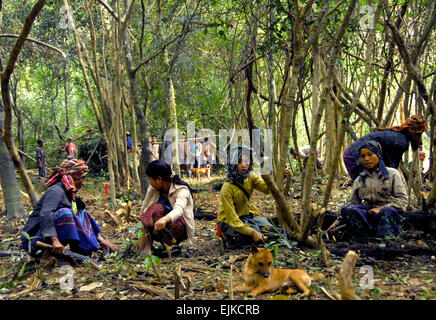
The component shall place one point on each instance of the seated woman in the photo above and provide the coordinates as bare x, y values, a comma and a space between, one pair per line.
378, 197
167, 210
60, 218
238, 219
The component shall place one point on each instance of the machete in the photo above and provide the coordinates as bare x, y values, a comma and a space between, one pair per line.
72, 254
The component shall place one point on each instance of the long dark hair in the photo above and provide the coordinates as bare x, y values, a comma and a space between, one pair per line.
160, 168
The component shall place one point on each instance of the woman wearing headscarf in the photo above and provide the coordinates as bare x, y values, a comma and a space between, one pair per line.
393, 140
239, 220
60, 218
378, 198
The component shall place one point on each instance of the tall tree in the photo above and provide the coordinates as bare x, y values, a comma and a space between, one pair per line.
5, 77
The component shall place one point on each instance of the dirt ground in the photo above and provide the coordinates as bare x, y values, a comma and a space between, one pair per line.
207, 273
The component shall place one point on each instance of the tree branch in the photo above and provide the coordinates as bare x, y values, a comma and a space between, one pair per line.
109, 9
413, 71
35, 41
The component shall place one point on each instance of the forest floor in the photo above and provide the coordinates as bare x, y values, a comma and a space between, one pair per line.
207, 271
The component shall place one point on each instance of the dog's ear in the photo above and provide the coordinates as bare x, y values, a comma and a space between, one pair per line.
254, 249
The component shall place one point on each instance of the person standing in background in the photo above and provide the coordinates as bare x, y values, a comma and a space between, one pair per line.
154, 148
41, 162
129, 142
194, 155
183, 153
209, 152
71, 149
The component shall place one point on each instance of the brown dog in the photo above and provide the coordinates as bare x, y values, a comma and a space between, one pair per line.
199, 171
260, 277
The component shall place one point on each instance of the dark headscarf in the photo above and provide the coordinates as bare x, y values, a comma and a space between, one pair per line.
375, 147
235, 154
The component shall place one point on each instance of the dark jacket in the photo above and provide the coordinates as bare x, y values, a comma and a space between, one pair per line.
393, 144
54, 198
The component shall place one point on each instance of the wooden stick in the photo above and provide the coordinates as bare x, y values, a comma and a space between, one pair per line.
114, 218
169, 252
326, 293
345, 274
128, 209
309, 222
232, 261
27, 155
188, 284
93, 150
176, 285
151, 289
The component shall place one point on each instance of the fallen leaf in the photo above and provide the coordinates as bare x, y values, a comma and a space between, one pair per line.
90, 287
219, 285
100, 295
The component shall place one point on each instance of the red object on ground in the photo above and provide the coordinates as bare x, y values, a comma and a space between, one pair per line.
106, 188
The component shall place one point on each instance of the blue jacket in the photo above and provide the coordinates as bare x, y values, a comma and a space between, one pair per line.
54, 198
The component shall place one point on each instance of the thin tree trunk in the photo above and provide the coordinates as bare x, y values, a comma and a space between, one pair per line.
350, 108
272, 113
41, 115
328, 83
11, 189
67, 113
5, 77
170, 99
19, 116
95, 107
388, 66
136, 112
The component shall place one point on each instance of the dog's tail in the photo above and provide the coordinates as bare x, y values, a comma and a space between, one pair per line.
208, 165
317, 276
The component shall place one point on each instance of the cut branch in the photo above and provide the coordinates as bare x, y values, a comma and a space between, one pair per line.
345, 274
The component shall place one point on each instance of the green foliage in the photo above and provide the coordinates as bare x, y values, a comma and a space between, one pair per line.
148, 261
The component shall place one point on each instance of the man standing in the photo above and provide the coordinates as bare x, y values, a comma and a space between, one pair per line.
194, 155
154, 148
183, 153
41, 159
209, 152
129, 142
71, 149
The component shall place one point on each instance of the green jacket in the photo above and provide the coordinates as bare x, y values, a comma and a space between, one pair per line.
234, 203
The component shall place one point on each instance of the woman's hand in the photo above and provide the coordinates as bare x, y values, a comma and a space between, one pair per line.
57, 246
375, 211
108, 244
257, 236
161, 223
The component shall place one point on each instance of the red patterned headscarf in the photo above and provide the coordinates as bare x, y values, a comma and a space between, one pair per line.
69, 170
416, 125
